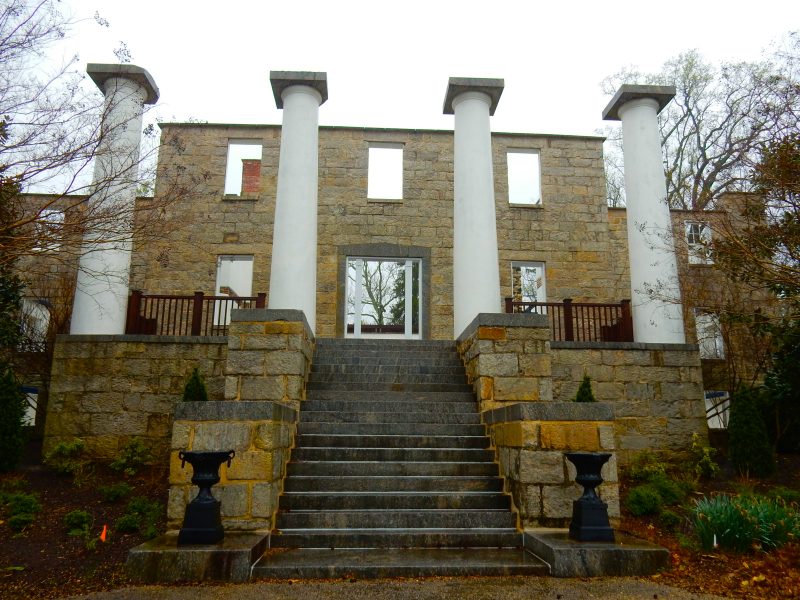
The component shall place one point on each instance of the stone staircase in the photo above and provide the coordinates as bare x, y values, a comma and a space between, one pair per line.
392, 474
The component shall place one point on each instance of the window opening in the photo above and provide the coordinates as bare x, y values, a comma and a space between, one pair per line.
234, 279
385, 172
709, 334
524, 178
383, 297
698, 240
718, 406
47, 230
528, 285
243, 171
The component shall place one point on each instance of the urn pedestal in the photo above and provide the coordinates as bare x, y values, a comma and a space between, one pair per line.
589, 513
202, 523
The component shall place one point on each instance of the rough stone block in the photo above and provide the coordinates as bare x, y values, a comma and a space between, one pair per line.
231, 387
123, 423
491, 333
265, 500
221, 436
284, 327
263, 342
606, 435
234, 498
537, 365
495, 365
516, 388
176, 503
536, 466
179, 474
250, 465
245, 363
557, 500
569, 436
262, 388
284, 363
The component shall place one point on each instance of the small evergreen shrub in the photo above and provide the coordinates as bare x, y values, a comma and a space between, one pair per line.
115, 492
12, 410
643, 500
645, 466
704, 465
749, 447
671, 491
744, 523
669, 520
21, 508
78, 522
133, 456
195, 388
140, 515
585, 393
66, 458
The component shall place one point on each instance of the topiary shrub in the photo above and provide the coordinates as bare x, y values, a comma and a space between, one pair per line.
749, 447
12, 410
195, 388
585, 391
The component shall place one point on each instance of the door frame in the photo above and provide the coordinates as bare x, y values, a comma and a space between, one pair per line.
388, 251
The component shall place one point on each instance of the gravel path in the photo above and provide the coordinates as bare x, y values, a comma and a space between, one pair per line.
477, 588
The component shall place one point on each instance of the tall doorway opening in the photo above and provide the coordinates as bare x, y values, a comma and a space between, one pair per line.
383, 297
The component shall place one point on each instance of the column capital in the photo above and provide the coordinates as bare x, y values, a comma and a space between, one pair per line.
100, 73
280, 80
458, 85
627, 92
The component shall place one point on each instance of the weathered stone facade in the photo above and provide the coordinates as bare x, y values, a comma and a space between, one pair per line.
107, 390
260, 433
568, 231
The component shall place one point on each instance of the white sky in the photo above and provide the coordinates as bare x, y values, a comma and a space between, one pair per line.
388, 62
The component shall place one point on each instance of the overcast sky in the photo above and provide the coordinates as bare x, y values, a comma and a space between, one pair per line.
388, 62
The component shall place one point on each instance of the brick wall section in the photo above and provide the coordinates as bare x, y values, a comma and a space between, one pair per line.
655, 390
507, 358
530, 440
261, 434
269, 356
107, 390
569, 231
251, 176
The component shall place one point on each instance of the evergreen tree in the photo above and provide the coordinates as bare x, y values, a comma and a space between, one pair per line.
195, 389
749, 447
12, 410
585, 393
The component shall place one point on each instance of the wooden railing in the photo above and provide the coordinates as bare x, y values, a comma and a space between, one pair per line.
198, 314
582, 321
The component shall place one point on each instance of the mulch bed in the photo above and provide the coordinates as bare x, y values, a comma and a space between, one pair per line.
44, 562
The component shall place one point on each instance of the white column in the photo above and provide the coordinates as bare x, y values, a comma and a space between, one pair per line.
293, 275
655, 293
101, 292
476, 272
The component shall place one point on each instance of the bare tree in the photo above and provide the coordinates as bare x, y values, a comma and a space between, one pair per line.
713, 129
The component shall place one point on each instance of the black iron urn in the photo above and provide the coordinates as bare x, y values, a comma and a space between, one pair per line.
201, 522
589, 513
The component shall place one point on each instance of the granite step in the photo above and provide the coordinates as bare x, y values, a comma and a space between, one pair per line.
386, 378
344, 440
506, 537
304, 563
397, 370
392, 454
397, 468
389, 416
431, 398
388, 386
416, 483
379, 405
373, 429
396, 518
349, 500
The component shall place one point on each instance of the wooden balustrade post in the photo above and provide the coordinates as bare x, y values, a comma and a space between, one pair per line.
569, 332
627, 321
261, 300
132, 317
509, 305
197, 312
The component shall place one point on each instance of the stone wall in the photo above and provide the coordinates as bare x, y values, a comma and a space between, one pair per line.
269, 356
655, 391
107, 390
507, 358
568, 231
530, 440
261, 434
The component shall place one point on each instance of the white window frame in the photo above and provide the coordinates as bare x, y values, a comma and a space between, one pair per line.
709, 334
238, 150
524, 177
698, 242
385, 171
233, 270
718, 407
540, 290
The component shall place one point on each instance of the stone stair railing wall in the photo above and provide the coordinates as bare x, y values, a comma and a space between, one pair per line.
269, 358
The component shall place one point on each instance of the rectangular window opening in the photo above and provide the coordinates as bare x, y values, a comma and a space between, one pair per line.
528, 285
243, 171
524, 177
698, 241
709, 334
234, 279
718, 405
47, 230
385, 172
